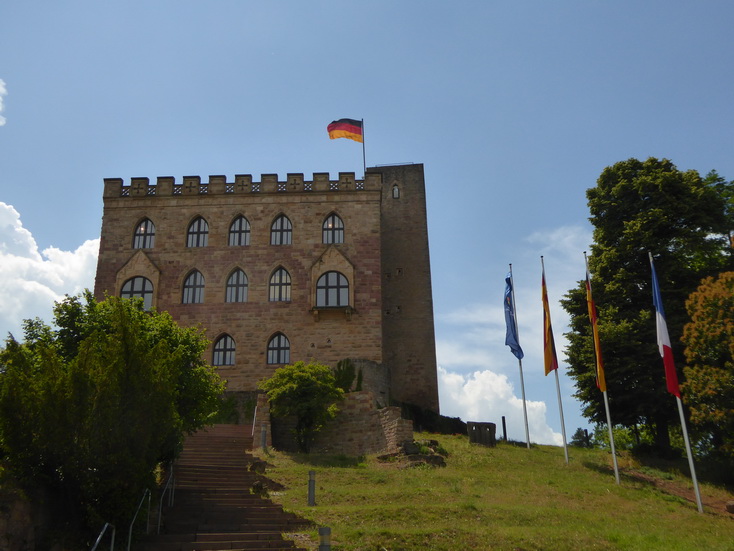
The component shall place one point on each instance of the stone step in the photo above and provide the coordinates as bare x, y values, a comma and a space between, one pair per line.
213, 508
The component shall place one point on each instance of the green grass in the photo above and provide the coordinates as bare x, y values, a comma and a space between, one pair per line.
506, 497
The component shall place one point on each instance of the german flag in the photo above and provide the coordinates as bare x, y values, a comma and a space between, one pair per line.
345, 128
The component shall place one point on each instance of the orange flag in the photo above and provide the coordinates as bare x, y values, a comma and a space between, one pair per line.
549, 345
601, 381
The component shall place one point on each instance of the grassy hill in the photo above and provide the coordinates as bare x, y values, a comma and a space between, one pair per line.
506, 497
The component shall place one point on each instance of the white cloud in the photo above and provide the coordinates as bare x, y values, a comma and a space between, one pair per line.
3, 92
31, 281
486, 396
479, 377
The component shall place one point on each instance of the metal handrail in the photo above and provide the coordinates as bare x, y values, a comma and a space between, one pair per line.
254, 421
99, 538
169, 482
135, 516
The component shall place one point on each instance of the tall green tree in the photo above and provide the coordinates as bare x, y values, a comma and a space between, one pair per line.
308, 392
90, 407
683, 220
709, 341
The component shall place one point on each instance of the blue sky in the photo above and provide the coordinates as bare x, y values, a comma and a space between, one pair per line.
514, 108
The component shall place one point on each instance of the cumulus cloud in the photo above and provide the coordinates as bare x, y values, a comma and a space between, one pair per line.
486, 395
3, 93
32, 280
477, 369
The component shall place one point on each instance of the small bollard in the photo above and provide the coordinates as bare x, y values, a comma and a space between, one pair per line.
311, 488
324, 538
264, 438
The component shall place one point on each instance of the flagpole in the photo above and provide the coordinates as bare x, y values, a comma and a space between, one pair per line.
558, 384
519, 362
664, 343
604, 393
364, 156
690, 454
560, 408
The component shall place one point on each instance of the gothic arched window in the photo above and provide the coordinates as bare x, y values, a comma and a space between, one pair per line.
279, 349
224, 350
236, 287
281, 231
144, 237
198, 233
280, 285
239, 232
193, 288
332, 231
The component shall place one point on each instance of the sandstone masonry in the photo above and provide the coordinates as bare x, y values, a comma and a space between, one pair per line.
283, 270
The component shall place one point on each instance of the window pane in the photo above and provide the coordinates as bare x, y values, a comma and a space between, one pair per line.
279, 350
280, 286
144, 237
239, 232
193, 291
198, 234
138, 287
224, 351
281, 231
237, 287
332, 289
333, 230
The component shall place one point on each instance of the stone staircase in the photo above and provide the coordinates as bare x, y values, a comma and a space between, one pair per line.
213, 507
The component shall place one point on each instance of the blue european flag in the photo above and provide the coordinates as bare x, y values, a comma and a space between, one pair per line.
511, 339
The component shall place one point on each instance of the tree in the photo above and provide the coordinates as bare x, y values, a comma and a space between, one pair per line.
682, 219
309, 393
709, 341
88, 409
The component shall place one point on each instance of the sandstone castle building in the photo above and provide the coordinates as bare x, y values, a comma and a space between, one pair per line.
279, 271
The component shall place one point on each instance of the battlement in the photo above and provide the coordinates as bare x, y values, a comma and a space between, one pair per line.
243, 183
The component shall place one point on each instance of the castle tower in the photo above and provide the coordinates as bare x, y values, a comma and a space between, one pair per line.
278, 271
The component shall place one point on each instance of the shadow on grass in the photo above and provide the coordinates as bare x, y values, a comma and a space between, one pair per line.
328, 460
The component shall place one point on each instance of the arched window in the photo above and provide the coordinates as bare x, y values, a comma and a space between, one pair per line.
280, 285
236, 287
198, 234
224, 350
239, 232
395, 192
193, 288
279, 349
144, 237
332, 230
332, 289
138, 287
281, 231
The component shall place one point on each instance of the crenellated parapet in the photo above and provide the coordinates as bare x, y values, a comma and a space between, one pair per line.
242, 184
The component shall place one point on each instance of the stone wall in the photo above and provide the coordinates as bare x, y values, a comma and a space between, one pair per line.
360, 428
322, 335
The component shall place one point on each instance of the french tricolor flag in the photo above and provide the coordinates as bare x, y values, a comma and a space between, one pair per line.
671, 376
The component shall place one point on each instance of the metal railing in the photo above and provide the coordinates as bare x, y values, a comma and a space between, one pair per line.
169, 487
99, 538
146, 493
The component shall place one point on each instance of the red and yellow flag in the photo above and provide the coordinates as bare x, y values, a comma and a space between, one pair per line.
601, 381
346, 128
549, 344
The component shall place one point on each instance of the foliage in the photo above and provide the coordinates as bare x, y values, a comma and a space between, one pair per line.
505, 497
344, 374
682, 219
308, 392
582, 439
709, 340
88, 409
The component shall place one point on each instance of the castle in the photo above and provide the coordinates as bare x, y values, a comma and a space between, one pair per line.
280, 271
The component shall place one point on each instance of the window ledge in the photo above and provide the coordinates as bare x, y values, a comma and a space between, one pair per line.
318, 311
